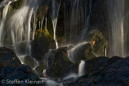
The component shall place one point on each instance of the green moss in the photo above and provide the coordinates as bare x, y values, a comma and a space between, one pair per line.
61, 62
29, 61
40, 68
100, 43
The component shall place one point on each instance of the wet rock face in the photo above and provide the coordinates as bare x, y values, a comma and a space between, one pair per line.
8, 58
83, 52
59, 64
11, 67
40, 46
99, 43
104, 71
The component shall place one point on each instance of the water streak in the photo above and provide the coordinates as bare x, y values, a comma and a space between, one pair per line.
81, 68
54, 16
4, 15
72, 52
83, 33
116, 17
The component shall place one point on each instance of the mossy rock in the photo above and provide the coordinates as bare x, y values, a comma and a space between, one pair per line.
99, 43
88, 52
29, 61
39, 69
40, 46
60, 64
83, 52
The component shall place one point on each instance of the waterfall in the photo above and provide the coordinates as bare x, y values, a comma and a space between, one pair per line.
73, 13
46, 26
29, 33
4, 15
34, 27
18, 30
76, 19
81, 68
83, 33
116, 33
20, 34
21, 28
42, 23
54, 16
4, 2
72, 53
65, 19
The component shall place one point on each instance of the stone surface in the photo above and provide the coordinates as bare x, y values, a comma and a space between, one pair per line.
11, 68
105, 72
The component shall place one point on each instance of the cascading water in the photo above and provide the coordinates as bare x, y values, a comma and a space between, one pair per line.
4, 2
55, 6
34, 27
76, 19
83, 33
72, 52
80, 16
116, 37
4, 15
18, 29
20, 34
81, 68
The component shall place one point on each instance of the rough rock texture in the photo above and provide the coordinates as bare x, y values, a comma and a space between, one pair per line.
99, 43
11, 68
59, 64
40, 46
105, 72
83, 52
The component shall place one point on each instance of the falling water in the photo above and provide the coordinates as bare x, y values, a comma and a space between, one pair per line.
116, 15
54, 16
4, 15
42, 21
73, 19
46, 26
34, 27
83, 33
65, 19
21, 27
72, 52
19, 30
81, 68
76, 19
4, 2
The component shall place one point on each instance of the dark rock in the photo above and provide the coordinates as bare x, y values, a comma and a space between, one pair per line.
29, 61
39, 69
71, 69
40, 46
60, 64
11, 67
105, 72
8, 58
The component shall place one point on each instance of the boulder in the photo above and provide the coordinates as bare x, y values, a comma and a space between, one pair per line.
40, 46
8, 58
11, 67
104, 71
59, 64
